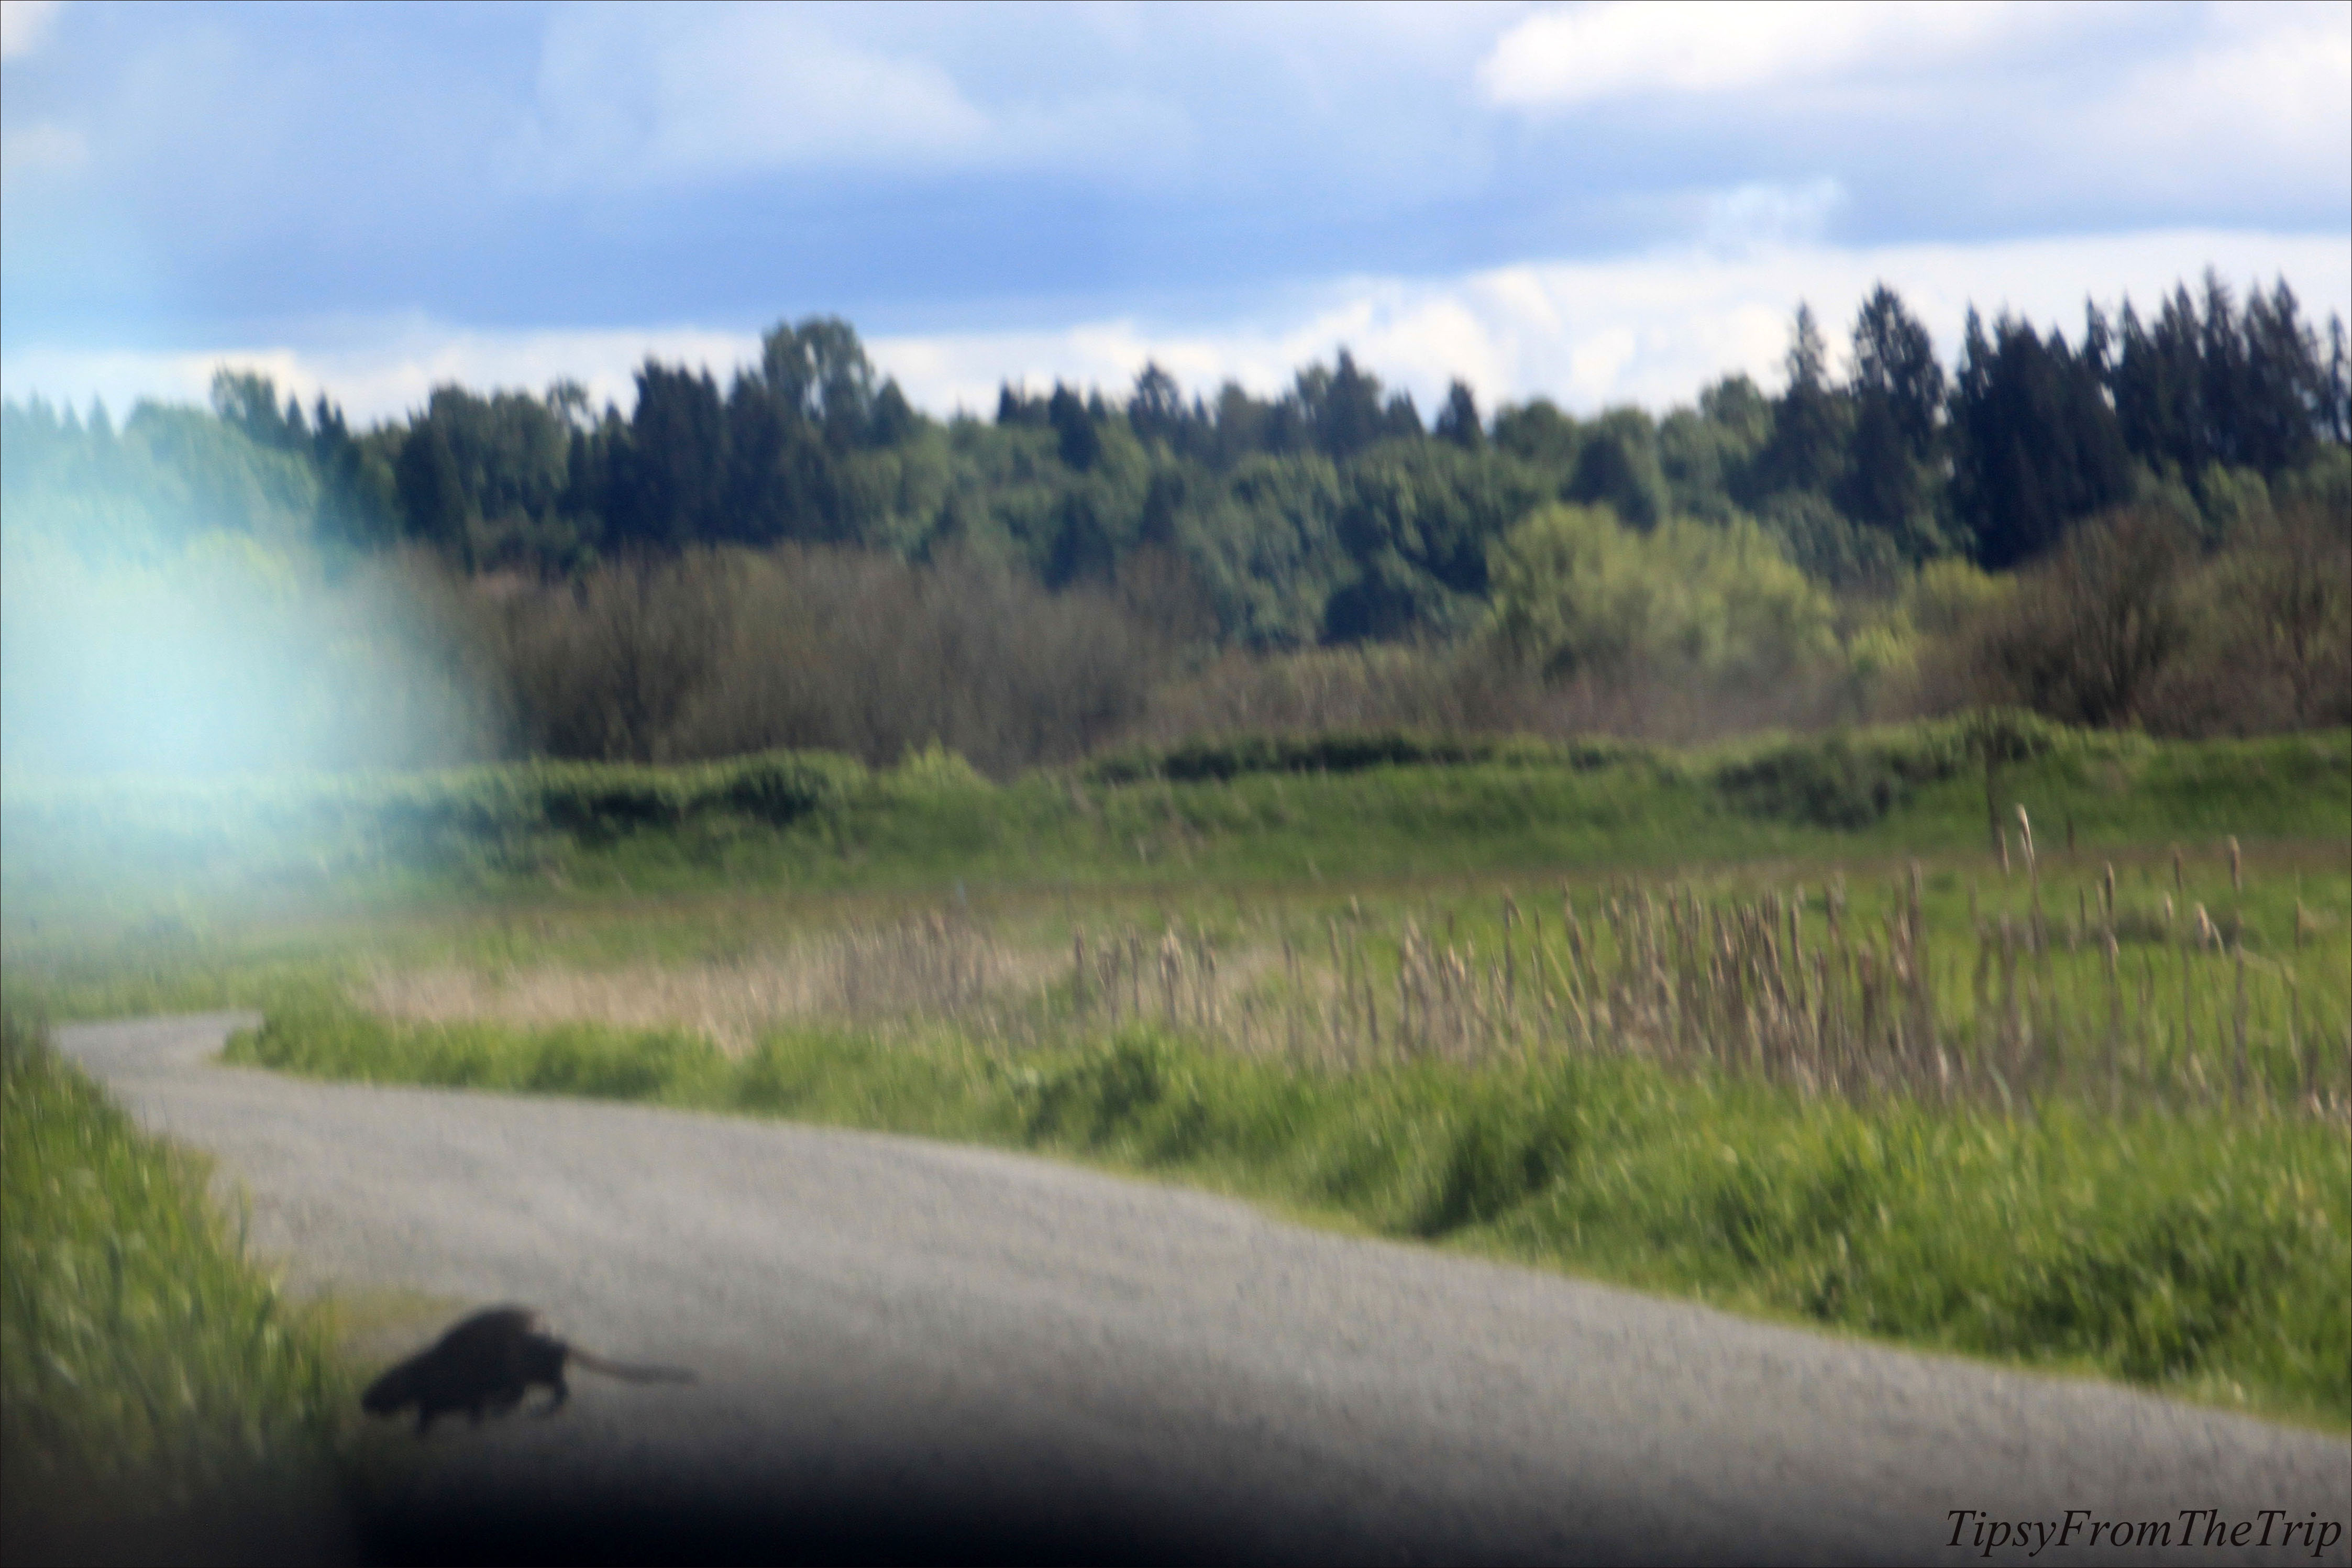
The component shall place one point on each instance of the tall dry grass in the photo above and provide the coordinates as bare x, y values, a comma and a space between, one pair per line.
2077, 992
1789, 985
937, 966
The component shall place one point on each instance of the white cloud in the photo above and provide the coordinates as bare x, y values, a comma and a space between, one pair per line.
1651, 330
1761, 213
24, 26
2269, 99
376, 373
1560, 59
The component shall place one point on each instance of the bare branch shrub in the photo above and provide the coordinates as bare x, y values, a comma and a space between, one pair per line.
605, 667
2273, 649
718, 653
2092, 626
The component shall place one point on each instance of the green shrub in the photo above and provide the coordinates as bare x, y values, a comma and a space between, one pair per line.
1828, 783
1345, 752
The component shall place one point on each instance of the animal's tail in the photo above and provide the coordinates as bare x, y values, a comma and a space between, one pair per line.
628, 1373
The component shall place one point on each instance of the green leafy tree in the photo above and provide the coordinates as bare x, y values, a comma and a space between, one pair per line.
1538, 433
1708, 455
1617, 466
1578, 593
1417, 517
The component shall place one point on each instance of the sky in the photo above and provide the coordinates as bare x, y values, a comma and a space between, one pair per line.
1598, 204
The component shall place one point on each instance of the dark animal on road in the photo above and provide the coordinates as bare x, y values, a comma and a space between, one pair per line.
488, 1362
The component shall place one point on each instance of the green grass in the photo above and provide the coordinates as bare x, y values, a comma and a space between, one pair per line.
153, 1380
2202, 1256
165, 852
2167, 1210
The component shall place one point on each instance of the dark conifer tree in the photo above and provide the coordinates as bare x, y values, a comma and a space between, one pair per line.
1156, 411
2284, 391
1458, 421
1897, 396
2222, 385
2336, 415
2158, 380
433, 493
2035, 444
669, 488
1243, 425
1807, 451
1080, 442
1016, 406
1340, 409
1400, 421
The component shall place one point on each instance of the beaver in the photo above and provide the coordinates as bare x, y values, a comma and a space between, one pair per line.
488, 1362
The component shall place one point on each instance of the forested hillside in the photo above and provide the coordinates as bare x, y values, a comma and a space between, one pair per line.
1827, 544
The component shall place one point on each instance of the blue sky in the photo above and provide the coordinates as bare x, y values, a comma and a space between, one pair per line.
1595, 203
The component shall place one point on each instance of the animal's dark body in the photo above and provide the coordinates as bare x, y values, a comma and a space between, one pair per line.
487, 1363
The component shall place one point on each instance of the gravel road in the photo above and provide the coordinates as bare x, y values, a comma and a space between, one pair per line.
910, 1352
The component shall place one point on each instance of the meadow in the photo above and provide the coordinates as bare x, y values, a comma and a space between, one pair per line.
1989, 1036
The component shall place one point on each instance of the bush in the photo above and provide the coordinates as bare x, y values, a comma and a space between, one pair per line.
1574, 592
2124, 625
1344, 751
2092, 625
1828, 783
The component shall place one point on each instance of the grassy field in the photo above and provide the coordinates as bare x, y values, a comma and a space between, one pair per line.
158, 1395
1788, 1027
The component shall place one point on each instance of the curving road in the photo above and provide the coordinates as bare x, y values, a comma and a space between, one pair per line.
914, 1352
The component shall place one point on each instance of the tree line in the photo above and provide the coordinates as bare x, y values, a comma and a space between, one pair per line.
1332, 513
2147, 525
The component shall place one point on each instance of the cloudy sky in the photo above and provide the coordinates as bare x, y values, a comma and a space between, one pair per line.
1597, 203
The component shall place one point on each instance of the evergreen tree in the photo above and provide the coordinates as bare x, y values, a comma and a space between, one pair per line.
2035, 444
1458, 421
1807, 451
2221, 382
1017, 408
2335, 404
1338, 410
667, 489
353, 510
433, 494
249, 402
2284, 393
1156, 411
1079, 443
1898, 395
2158, 381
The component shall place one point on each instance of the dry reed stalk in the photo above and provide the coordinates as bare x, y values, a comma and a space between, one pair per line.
2113, 1050
932, 967
2241, 1067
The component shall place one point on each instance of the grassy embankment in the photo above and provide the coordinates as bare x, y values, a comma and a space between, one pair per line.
158, 1398
1765, 1066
